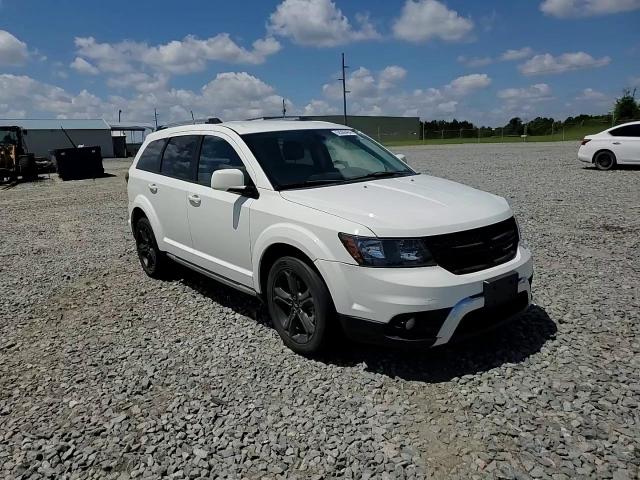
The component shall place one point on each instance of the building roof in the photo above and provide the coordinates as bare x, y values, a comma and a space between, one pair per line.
56, 123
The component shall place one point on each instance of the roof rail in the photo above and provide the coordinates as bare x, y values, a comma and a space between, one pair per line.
210, 121
301, 118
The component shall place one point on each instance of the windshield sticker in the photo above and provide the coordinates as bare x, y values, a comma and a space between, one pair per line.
342, 133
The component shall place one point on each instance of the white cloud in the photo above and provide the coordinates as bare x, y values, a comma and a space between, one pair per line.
507, 56
230, 96
391, 75
139, 81
318, 23
80, 65
591, 94
468, 83
539, 91
177, 57
587, 8
36, 98
424, 20
376, 94
548, 64
475, 62
13, 52
518, 54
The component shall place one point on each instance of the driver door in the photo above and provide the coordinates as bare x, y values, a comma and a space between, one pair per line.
218, 220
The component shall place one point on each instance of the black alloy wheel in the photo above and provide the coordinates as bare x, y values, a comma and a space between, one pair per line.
299, 304
153, 261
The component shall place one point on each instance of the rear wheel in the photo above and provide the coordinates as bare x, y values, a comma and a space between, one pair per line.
27, 167
299, 304
605, 160
153, 261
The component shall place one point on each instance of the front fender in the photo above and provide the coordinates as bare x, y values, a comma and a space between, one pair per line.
141, 202
290, 234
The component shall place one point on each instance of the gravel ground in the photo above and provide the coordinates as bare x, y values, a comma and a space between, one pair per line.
105, 373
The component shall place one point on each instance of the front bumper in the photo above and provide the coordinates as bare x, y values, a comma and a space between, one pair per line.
372, 302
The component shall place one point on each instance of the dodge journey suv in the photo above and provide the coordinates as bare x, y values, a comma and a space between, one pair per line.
330, 229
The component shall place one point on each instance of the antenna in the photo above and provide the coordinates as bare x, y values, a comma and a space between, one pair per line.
344, 91
155, 114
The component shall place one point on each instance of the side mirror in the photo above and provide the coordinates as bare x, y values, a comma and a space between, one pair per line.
228, 179
402, 157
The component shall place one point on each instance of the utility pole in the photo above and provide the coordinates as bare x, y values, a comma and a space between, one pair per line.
155, 114
284, 108
119, 113
344, 91
193, 119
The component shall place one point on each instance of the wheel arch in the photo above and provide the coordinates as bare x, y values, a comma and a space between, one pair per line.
142, 207
601, 150
285, 240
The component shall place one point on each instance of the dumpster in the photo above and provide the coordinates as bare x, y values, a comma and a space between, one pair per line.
78, 162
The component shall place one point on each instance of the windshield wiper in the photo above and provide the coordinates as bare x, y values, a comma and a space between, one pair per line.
310, 183
380, 175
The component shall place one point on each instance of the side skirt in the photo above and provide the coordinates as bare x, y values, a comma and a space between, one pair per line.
214, 276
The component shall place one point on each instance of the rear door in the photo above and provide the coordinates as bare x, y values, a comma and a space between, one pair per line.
626, 143
219, 221
169, 191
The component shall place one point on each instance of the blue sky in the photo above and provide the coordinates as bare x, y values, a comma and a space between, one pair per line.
483, 61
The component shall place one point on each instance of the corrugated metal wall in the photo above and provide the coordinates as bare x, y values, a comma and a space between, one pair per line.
383, 129
40, 142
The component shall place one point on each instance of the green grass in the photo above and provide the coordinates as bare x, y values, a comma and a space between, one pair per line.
570, 134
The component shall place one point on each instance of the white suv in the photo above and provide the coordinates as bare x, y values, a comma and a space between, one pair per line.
330, 229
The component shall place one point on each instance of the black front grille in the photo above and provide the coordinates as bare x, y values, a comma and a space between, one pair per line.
474, 250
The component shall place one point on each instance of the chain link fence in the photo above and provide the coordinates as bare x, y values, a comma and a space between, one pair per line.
528, 132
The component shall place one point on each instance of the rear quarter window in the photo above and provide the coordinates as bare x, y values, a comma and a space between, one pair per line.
150, 158
626, 131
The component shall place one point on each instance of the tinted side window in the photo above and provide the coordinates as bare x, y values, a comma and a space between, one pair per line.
150, 158
216, 153
626, 131
177, 160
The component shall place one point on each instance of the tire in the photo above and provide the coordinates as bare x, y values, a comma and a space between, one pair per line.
299, 304
604, 160
27, 167
153, 261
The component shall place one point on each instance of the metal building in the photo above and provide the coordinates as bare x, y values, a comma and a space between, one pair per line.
45, 135
381, 128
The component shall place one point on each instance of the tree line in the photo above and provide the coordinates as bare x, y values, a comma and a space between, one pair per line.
625, 109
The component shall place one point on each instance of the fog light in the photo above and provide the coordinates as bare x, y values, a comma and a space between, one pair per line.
409, 324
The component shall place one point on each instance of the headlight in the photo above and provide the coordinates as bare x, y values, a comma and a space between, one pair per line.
387, 252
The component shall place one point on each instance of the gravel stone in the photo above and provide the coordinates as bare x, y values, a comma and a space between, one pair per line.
105, 373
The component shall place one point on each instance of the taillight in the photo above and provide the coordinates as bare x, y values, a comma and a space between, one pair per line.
585, 141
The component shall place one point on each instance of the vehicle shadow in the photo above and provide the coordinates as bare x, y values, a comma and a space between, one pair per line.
510, 344
617, 167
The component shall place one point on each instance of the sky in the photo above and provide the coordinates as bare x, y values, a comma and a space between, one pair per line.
483, 61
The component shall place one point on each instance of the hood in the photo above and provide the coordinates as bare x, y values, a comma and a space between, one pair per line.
414, 206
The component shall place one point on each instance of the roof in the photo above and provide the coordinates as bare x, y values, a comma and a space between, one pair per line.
251, 126
56, 123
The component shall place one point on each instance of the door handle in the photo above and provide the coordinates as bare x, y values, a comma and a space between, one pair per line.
617, 143
153, 188
195, 200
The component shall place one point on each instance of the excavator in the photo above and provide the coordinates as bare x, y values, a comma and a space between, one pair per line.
15, 159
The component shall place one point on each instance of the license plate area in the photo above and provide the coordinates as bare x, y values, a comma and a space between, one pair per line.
500, 290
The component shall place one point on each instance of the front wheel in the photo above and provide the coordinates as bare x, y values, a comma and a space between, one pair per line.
605, 160
299, 304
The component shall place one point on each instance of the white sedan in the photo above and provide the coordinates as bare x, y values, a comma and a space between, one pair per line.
619, 145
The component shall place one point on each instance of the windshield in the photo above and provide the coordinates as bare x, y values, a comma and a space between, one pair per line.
307, 158
8, 137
